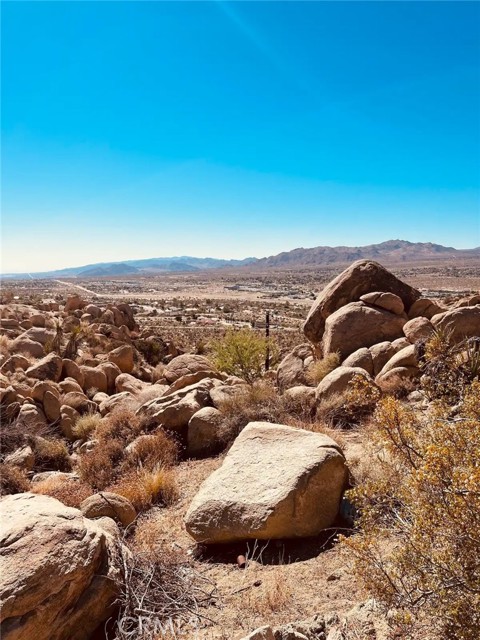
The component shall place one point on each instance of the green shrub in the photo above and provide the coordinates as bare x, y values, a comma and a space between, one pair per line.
242, 353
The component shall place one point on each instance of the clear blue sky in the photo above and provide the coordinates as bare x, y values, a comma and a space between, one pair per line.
231, 129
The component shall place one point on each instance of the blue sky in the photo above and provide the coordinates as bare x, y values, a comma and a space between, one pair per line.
232, 129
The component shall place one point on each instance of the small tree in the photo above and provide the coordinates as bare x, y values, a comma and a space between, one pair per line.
241, 353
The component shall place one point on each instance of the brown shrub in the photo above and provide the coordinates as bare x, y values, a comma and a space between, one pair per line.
12, 480
51, 455
350, 408
71, 492
121, 425
101, 466
86, 425
157, 450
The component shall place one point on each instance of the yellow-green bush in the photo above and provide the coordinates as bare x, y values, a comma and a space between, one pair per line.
242, 353
418, 541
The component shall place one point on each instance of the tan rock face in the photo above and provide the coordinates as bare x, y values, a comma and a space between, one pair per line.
111, 505
384, 300
206, 433
275, 482
360, 358
72, 370
418, 329
460, 323
338, 381
94, 378
363, 276
381, 354
59, 570
73, 303
292, 369
184, 365
51, 406
424, 308
48, 368
28, 346
357, 325
13, 363
403, 358
123, 358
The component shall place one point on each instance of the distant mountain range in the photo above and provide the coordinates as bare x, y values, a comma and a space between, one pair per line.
149, 266
390, 252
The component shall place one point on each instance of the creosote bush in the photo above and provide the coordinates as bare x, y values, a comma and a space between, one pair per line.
419, 530
242, 353
12, 480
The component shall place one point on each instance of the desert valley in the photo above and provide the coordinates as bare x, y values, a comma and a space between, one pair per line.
177, 485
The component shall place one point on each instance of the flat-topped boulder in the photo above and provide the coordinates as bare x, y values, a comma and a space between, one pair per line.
275, 482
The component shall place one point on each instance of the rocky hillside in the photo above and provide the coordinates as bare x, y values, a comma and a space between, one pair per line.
142, 483
390, 252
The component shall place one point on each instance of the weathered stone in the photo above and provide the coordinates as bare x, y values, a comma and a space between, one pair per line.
51, 406
363, 276
292, 370
207, 433
60, 571
357, 325
360, 358
126, 382
48, 368
23, 458
72, 370
338, 381
13, 363
73, 303
123, 358
184, 365
94, 378
111, 505
425, 308
28, 346
275, 482
460, 323
418, 329
384, 300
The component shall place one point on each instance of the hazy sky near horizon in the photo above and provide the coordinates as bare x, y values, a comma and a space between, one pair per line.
235, 129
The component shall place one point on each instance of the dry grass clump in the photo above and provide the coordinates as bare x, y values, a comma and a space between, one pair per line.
142, 474
272, 596
398, 387
12, 480
419, 531
146, 487
86, 425
5, 346
317, 371
69, 491
17, 433
51, 455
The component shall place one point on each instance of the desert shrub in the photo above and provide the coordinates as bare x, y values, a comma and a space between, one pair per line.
157, 450
12, 480
448, 367
317, 371
17, 433
242, 353
153, 350
51, 455
5, 345
146, 487
71, 492
418, 536
101, 466
86, 425
121, 424
350, 408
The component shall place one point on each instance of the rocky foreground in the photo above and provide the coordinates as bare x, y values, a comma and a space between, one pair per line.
95, 415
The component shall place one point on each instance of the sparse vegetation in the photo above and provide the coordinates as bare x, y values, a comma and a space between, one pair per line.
322, 367
242, 353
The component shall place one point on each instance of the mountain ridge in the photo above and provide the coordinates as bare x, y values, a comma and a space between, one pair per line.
388, 252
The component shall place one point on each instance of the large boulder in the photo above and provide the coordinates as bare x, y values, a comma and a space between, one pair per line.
60, 572
360, 358
94, 378
338, 381
28, 346
275, 482
384, 300
123, 358
291, 371
363, 276
418, 329
73, 303
424, 308
206, 432
48, 368
358, 325
184, 365
460, 323
174, 411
